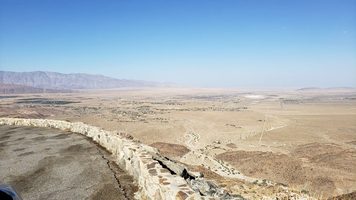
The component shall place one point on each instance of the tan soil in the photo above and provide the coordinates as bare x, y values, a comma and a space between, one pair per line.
174, 151
303, 139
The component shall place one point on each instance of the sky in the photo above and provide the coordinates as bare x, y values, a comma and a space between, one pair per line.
202, 43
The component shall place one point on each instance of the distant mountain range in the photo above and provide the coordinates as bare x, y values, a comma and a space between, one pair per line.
318, 89
40, 80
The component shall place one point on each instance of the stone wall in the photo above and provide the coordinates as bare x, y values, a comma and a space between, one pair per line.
155, 180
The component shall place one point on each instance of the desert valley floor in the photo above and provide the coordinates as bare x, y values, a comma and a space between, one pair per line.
241, 140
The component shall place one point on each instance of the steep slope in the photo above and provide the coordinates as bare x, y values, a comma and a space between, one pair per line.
54, 80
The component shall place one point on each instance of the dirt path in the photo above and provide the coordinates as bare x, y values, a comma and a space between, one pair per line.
201, 157
51, 164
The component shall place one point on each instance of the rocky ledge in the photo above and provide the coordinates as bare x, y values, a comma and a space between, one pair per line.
158, 177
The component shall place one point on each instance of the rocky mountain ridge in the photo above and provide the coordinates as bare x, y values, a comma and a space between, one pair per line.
59, 81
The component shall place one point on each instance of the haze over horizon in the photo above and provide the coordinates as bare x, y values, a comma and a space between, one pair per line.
194, 43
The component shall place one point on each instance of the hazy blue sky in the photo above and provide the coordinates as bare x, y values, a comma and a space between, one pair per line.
232, 43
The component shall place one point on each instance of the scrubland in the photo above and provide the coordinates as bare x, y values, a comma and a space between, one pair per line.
249, 142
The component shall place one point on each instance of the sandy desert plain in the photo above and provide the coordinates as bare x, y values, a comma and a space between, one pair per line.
248, 142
